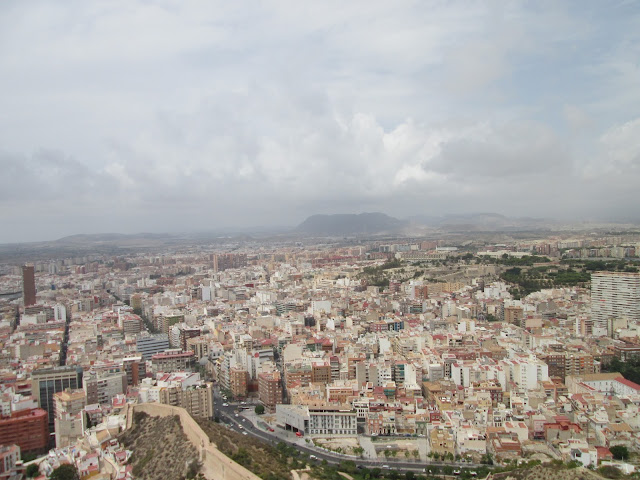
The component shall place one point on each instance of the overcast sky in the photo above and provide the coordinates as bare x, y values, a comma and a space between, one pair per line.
163, 116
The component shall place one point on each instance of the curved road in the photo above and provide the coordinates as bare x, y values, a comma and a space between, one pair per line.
240, 424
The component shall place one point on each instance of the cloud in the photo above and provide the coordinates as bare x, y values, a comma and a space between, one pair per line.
160, 116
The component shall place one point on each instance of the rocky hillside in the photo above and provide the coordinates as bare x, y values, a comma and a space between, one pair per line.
160, 448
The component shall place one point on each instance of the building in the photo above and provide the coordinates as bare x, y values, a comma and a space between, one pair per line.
270, 390
173, 360
197, 400
69, 418
49, 381
28, 285
513, 315
614, 295
9, 456
149, 345
239, 382
136, 370
317, 420
27, 428
101, 386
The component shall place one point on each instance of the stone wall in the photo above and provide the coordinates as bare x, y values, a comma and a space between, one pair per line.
216, 465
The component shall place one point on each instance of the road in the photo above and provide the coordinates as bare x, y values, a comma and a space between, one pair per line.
240, 423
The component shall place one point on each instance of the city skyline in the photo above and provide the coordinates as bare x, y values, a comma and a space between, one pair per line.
148, 116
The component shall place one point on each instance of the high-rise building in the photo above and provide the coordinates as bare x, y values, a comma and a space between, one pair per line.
28, 285
149, 345
270, 390
614, 295
27, 429
48, 381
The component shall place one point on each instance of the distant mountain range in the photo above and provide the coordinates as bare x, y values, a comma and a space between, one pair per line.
350, 224
380, 223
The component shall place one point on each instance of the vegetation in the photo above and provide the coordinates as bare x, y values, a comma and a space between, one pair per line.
259, 409
535, 279
160, 448
32, 470
65, 472
603, 265
378, 276
608, 471
269, 463
619, 452
630, 369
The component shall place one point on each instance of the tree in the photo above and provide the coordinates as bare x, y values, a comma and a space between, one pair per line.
358, 451
33, 470
65, 472
619, 452
487, 459
415, 454
259, 409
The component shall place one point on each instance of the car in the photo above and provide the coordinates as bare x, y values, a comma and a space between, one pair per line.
244, 433
473, 474
386, 467
298, 434
236, 415
243, 419
456, 472
225, 404
240, 427
271, 429
313, 457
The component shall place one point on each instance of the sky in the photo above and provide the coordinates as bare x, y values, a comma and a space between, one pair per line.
166, 116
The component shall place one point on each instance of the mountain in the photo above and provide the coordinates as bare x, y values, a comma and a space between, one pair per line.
350, 224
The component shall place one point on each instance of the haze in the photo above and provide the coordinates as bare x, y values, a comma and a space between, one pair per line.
166, 116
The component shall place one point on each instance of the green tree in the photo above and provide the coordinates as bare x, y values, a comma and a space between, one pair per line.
32, 470
259, 409
415, 454
65, 472
619, 452
358, 451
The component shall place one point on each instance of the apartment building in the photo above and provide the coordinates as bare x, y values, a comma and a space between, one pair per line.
614, 295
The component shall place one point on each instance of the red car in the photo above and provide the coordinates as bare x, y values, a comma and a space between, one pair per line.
271, 429
298, 434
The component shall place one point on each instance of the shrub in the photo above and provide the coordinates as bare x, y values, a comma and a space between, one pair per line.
610, 472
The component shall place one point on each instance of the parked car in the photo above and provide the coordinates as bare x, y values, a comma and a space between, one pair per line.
298, 434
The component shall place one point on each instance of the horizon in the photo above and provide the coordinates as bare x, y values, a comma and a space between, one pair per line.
224, 231
148, 116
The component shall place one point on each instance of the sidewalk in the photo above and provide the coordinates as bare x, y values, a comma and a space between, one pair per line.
369, 448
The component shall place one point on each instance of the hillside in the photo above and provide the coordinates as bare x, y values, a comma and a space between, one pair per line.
350, 224
160, 448
265, 461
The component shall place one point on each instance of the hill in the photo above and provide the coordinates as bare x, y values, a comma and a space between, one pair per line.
160, 448
350, 224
